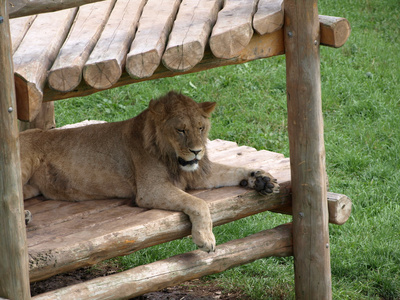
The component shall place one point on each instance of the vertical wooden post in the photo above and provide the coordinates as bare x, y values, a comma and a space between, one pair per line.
44, 120
14, 271
307, 151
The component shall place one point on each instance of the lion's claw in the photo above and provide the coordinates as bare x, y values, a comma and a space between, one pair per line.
262, 182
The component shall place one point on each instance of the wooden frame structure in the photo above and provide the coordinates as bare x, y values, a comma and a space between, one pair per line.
299, 39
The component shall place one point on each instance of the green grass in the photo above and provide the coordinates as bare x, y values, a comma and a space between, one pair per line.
361, 105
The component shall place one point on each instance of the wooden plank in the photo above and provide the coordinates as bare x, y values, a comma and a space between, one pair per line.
307, 151
183, 267
190, 33
234, 28
66, 72
18, 28
14, 277
21, 8
150, 40
34, 57
334, 31
106, 62
269, 16
259, 47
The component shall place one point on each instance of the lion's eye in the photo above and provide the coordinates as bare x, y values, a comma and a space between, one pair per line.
201, 129
181, 131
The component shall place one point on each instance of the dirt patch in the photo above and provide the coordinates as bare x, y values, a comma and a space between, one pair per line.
191, 290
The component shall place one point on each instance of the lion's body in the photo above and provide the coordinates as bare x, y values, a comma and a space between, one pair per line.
152, 158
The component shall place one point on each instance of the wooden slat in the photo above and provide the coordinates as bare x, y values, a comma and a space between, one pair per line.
18, 28
234, 28
34, 57
190, 33
106, 62
260, 47
21, 8
66, 72
14, 278
148, 46
269, 16
183, 267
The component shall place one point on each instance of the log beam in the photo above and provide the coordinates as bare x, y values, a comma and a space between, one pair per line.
180, 268
14, 271
307, 151
21, 8
334, 31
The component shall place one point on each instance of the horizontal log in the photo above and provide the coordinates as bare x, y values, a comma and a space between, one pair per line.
180, 268
259, 47
18, 28
21, 8
339, 207
334, 31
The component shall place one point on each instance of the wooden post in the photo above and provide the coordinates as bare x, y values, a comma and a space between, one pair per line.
307, 152
44, 120
14, 272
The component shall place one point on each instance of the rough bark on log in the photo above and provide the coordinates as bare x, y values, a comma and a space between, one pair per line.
234, 28
307, 151
269, 16
180, 268
150, 39
66, 72
14, 276
106, 62
18, 28
260, 47
334, 31
21, 8
34, 57
190, 33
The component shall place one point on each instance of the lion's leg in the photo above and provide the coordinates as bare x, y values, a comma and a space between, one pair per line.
223, 175
169, 197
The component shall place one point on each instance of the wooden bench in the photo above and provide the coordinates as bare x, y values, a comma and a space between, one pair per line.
79, 51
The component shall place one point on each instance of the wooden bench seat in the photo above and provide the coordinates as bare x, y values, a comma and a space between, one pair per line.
66, 235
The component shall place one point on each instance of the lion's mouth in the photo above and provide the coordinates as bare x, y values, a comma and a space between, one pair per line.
185, 163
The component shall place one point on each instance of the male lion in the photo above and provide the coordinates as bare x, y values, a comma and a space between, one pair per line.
152, 158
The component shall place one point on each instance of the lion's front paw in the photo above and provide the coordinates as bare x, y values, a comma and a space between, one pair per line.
204, 239
262, 182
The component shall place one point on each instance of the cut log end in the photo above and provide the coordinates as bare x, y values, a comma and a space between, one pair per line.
229, 44
65, 79
182, 58
142, 65
269, 16
102, 75
334, 31
29, 99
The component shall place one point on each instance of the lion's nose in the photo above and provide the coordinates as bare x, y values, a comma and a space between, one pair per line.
195, 151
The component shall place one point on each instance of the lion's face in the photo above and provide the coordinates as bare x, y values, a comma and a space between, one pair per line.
182, 128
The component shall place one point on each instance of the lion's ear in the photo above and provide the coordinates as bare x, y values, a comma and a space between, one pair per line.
208, 107
156, 107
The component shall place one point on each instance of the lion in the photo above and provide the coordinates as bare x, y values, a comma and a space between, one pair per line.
152, 158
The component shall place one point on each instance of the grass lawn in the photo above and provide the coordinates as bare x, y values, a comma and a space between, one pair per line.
361, 105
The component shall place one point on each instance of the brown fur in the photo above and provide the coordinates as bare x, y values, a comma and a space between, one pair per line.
153, 157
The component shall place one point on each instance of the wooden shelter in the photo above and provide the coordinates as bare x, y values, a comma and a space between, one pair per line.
75, 51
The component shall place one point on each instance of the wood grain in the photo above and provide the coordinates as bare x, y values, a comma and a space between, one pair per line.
34, 57
269, 16
234, 28
18, 28
180, 268
189, 35
107, 60
307, 151
66, 72
14, 278
151, 37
